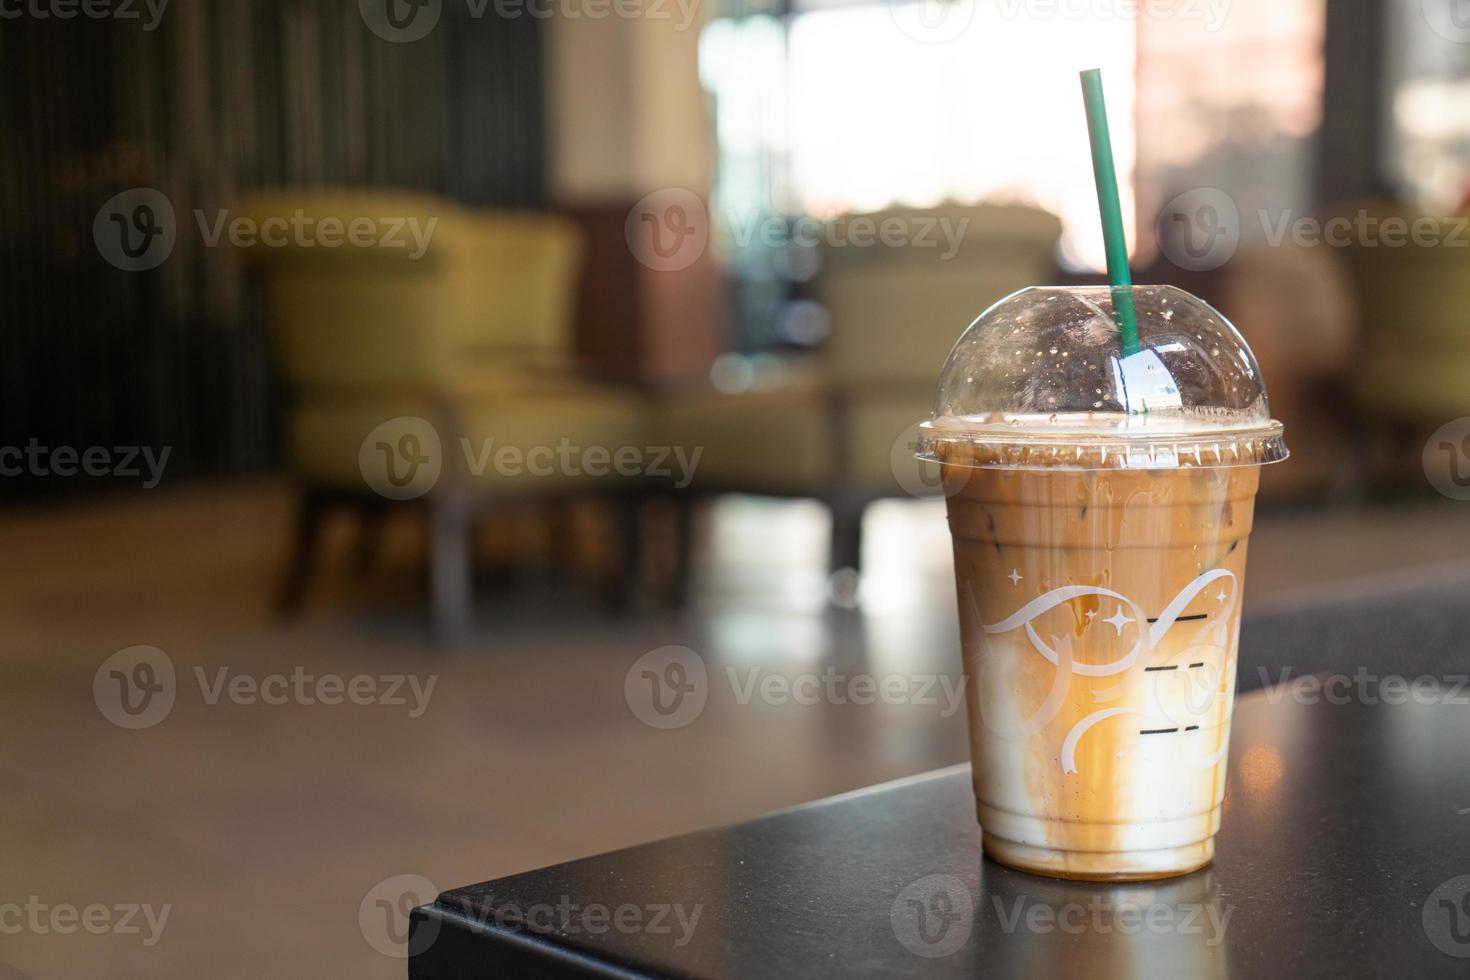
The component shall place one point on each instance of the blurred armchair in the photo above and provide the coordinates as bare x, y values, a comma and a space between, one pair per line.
1411, 373
416, 371
1414, 300
844, 434
1294, 304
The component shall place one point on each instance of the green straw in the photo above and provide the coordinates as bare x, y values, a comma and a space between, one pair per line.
1112, 211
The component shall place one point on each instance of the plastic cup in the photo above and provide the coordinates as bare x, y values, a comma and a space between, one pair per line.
1100, 508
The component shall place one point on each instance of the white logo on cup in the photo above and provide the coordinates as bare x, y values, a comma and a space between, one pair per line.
1447, 459
401, 459
1450, 19
668, 230
922, 477
135, 230
932, 21
933, 916
1188, 696
1446, 916
1200, 229
667, 688
400, 21
1212, 636
383, 915
135, 688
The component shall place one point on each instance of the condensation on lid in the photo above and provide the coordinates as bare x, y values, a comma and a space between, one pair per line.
1039, 380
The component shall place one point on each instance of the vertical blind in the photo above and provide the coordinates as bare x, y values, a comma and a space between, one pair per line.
213, 101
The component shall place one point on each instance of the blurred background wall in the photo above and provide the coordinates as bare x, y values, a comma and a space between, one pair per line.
214, 101
771, 114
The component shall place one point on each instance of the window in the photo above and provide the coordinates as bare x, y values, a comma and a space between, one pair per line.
849, 106
874, 116
1428, 125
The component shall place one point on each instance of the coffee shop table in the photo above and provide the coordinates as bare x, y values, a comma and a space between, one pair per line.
1345, 852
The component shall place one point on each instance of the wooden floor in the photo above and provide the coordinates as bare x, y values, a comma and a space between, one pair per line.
264, 830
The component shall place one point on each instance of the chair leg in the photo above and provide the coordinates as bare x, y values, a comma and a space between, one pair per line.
683, 570
305, 539
449, 567
560, 516
368, 544
847, 534
623, 578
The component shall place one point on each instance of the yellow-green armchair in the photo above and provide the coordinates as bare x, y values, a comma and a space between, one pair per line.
429, 359
843, 433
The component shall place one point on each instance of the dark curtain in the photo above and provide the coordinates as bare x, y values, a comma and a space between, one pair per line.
213, 101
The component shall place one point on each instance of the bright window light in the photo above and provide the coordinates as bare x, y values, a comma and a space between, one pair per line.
878, 118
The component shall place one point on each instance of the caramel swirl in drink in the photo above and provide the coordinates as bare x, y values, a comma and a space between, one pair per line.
1100, 504
1099, 615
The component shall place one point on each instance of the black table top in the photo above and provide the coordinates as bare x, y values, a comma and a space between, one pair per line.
1345, 851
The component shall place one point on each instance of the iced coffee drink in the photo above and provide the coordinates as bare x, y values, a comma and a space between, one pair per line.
1099, 558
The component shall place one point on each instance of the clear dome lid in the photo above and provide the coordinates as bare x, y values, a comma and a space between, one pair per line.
1040, 380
